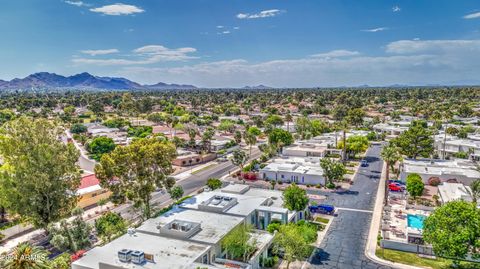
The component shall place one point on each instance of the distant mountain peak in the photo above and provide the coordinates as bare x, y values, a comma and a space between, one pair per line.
83, 80
258, 87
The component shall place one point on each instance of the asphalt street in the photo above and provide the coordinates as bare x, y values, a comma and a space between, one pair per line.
344, 244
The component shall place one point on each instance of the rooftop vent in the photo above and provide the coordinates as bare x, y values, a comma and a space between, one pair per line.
137, 257
124, 255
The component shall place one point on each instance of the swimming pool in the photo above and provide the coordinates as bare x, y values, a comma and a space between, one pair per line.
415, 221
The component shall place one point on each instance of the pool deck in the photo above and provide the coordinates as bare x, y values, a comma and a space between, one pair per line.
395, 220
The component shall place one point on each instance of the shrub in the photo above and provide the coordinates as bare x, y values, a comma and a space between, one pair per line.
330, 185
434, 181
250, 176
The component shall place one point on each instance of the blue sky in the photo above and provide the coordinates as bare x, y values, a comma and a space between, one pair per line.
231, 43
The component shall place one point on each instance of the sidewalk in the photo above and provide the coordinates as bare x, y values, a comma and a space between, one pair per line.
375, 225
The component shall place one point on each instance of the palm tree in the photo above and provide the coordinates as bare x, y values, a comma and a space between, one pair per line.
250, 139
288, 119
447, 116
475, 191
390, 155
26, 256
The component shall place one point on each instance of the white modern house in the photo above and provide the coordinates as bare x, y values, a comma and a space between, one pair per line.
189, 236
459, 170
449, 192
294, 169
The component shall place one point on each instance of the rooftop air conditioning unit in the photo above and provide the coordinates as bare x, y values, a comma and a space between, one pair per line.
138, 257
124, 255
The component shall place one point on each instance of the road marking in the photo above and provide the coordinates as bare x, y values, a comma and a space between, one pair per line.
354, 209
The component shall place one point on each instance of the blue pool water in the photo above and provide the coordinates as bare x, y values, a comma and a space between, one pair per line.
415, 221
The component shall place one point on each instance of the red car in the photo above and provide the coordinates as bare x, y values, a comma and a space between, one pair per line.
395, 188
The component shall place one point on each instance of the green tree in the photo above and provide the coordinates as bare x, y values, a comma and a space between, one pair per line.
333, 171
290, 239
355, 116
237, 136
137, 170
26, 256
295, 198
454, 230
176, 192
6, 115
239, 158
356, 144
415, 185
62, 261
250, 139
274, 120
78, 128
416, 141
280, 137
214, 183
110, 224
391, 156
99, 146
237, 243
73, 235
39, 176
207, 138
227, 126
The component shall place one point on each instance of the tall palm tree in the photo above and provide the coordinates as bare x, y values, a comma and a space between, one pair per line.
288, 119
447, 116
390, 155
26, 256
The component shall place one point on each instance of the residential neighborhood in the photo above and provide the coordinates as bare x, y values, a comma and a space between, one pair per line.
240, 134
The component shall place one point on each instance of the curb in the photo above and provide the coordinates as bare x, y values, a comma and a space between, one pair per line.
374, 227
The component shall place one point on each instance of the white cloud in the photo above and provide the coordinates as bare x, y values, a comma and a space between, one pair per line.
396, 9
374, 30
77, 3
99, 52
433, 46
261, 14
236, 28
472, 16
220, 26
144, 55
336, 53
404, 63
117, 9
224, 32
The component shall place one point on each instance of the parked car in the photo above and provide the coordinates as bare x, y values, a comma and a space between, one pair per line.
322, 209
395, 188
222, 159
363, 163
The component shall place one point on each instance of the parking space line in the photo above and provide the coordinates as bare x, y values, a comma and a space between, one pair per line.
354, 209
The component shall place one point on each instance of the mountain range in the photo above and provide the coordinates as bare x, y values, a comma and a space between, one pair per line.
83, 80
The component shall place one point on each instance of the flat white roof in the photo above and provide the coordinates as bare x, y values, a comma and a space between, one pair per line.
245, 206
442, 167
454, 191
168, 253
293, 168
213, 226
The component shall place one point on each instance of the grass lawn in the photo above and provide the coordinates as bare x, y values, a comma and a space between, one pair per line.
202, 169
415, 260
322, 220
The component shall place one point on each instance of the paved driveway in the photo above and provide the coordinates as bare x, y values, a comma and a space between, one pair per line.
344, 244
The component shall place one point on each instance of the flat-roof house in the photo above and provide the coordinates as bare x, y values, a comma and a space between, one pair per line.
293, 172
154, 252
459, 170
190, 235
449, 192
